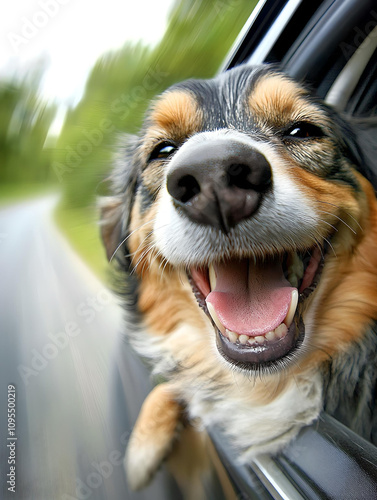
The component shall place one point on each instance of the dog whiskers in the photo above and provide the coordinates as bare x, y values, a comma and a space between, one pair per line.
146, 257
126, 238
349, 215
166, 262
145, 250
320, 247
328, 223
332, 248
151, 258
339, 218
148, 235
137, 251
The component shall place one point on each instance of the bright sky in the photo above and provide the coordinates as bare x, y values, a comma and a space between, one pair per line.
71, 34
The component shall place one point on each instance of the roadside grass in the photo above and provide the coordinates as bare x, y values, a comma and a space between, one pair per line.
80, 227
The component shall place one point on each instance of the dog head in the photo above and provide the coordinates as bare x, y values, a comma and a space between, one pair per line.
242, 198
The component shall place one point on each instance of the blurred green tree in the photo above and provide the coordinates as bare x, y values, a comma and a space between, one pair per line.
121, 84
24, 125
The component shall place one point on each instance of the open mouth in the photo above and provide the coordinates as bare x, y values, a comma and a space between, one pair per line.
256, 306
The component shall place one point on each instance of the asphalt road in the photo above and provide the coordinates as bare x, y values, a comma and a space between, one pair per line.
78, 387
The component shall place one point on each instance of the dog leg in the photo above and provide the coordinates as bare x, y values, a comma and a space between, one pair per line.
194, 464
153, 436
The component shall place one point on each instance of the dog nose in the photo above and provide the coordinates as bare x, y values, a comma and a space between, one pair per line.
219, 182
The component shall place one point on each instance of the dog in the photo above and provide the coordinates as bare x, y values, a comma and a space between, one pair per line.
246, 230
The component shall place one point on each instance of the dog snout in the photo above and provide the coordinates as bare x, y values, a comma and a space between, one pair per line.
219, 183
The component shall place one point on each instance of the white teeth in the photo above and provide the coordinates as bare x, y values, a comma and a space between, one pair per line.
270, 335
232, 336
212, 277
243, 339
213, 314
281, 331
292, 308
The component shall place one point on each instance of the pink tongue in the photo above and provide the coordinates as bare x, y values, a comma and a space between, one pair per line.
250, 299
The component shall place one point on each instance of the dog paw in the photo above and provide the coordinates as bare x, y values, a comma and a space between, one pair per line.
153, 436
142, 462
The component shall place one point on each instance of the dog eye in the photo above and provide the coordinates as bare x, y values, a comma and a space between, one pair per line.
303, 130
162, 151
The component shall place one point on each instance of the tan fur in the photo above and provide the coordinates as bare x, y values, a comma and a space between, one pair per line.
166, 304
192, 460
277, 101
177, 113
153, 436
165, 296
222, 474
140, 241
335, 204
190, 463
348, 291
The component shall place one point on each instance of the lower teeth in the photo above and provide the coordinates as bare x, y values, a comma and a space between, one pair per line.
242, 339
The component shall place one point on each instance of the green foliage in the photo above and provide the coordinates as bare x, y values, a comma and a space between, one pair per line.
122, 83
118, 90
24, 125
81, 226
84, 150
199, 35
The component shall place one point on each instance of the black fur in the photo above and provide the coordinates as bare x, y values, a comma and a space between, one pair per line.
350, 387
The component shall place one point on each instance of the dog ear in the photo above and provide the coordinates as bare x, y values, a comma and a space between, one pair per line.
347, 137
115, 210
365, 132
111, 223
357, 138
